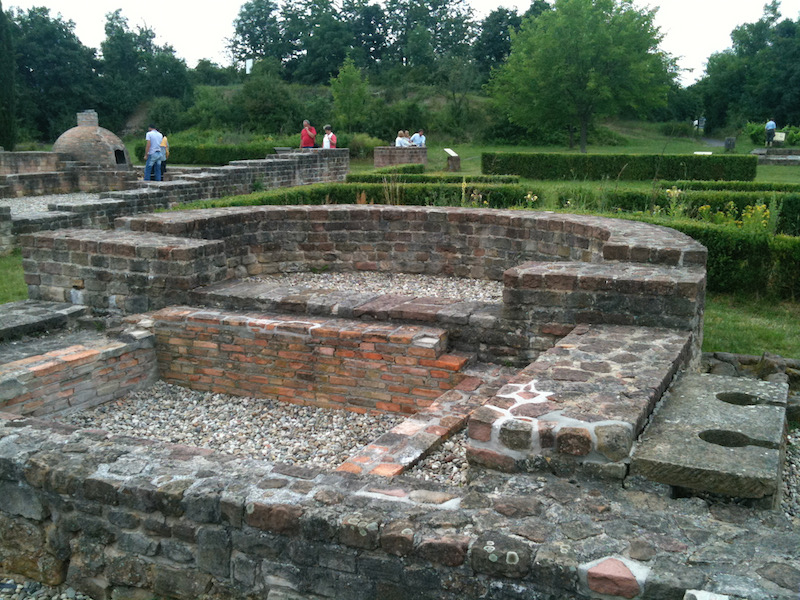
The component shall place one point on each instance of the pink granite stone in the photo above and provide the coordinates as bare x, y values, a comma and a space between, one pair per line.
613, 578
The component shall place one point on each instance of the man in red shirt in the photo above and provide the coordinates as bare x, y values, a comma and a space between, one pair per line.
308, 135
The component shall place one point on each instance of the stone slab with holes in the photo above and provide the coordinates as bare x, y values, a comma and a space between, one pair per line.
718, 434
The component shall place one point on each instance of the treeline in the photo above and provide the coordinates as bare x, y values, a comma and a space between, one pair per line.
373, 68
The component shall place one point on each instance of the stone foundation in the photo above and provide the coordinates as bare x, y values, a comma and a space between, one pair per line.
386, 156
587, 269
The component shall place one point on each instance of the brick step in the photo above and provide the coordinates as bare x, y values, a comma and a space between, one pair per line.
30, 317
261, 295
327, 362
581, 404
718, 434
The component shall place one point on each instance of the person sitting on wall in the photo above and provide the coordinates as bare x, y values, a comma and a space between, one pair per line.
401, 141
152, 153
308, 136
329, 141
418, 139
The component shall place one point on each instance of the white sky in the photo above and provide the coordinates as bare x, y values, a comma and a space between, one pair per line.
693, 29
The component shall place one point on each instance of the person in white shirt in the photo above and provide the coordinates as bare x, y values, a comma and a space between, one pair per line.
329, 140
152, 153
401, 141
418, 139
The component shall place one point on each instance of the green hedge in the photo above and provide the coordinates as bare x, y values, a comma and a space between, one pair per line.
361, 145
733, 186
377, 177
741, 262
212, 154
635, 167
413, 194
411, 168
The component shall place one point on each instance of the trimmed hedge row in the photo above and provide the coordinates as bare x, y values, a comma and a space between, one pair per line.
410, 168
635, 167
733, 186
411, 194
213, 154
378, 177
742, 262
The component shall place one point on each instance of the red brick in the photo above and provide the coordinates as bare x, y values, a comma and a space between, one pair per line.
387, 470
612, 577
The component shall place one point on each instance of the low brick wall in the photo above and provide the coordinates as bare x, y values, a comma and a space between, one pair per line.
587, 269
6, 231
331, 363
12, 163
116, 517
386, 156
77, 377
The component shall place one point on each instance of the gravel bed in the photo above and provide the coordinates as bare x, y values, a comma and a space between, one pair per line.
246, 427
29, 205
33, 590
395, 283
791, 476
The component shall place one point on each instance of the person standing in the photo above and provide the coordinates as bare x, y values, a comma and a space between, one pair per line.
308, 135
418, 139
769, 130
152, 153
164, 153
329, 141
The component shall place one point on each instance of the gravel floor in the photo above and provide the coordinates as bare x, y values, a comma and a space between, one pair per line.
395, 283
29, 205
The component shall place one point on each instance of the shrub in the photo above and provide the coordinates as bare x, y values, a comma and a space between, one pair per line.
619, 166
677, 129
411, 168
361, 145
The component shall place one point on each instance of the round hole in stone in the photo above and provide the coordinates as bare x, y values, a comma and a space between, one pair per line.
740, 398
733, 439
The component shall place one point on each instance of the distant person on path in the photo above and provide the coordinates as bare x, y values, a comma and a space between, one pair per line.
308, 136
769, 130
418, 139
329, 141
152, 153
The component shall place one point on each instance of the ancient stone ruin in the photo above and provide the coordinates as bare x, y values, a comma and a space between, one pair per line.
572, 495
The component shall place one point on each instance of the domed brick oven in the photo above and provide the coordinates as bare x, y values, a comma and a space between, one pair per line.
92, 144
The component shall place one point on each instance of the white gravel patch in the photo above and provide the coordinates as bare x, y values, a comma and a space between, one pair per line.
245, 427
395, 283
29, 205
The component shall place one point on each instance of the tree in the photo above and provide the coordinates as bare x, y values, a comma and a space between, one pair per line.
369, 32
8, 101
56, 75
350, 96
581, 61
258, 33
135, 68
493, 43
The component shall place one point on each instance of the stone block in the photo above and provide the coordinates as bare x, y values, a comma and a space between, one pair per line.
717, 434
500, 555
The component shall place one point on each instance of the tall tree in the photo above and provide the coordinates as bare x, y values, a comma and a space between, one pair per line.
493, 43
369, 30
135, 69
581, 61
8, 101
56, 74
258, 32
350, 96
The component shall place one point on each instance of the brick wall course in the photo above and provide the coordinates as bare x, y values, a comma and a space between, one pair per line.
386, 156
330, 363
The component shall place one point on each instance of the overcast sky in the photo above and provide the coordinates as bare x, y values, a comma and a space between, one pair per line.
693, 29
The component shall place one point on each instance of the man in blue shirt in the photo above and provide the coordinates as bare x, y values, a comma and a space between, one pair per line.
769, 129
418, 139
